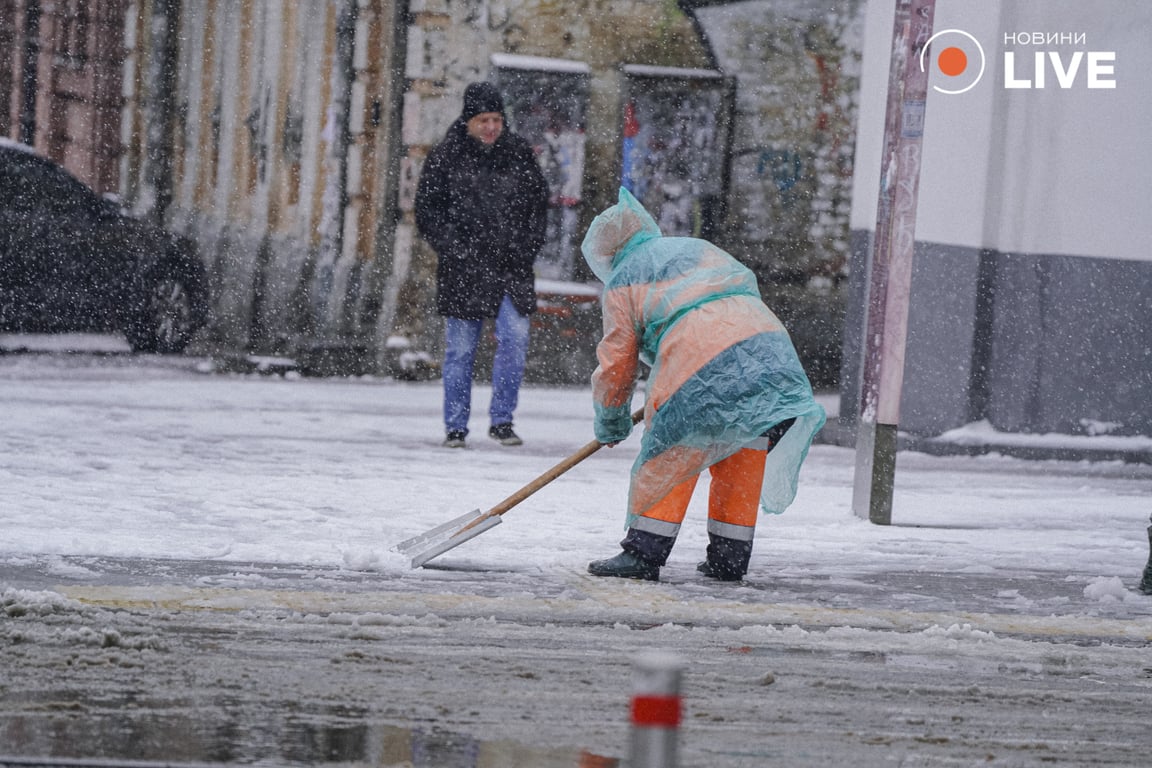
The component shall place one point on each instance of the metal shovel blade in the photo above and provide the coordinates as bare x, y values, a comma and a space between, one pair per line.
453, 533
444, 537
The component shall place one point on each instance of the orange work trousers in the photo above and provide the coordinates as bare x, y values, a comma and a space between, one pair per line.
734, 496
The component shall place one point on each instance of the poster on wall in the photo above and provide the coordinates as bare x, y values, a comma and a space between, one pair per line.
676, 137
546, 101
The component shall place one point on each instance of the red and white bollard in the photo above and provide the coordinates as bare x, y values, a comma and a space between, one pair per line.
655, 710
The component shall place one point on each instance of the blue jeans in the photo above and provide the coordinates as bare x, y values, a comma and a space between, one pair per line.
461, 337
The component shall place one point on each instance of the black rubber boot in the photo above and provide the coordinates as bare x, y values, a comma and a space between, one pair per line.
1146, 582
625, 566
655, 549
727, 558
642, 557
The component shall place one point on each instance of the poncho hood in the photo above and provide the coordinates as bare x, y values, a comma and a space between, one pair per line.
616, 231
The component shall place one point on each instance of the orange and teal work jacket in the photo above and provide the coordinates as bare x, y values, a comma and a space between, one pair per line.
723, 368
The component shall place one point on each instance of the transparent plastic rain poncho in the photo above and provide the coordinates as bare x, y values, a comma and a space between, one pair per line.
723, 368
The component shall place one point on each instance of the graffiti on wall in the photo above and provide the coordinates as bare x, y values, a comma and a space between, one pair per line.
546, 101
786, 168
675, 137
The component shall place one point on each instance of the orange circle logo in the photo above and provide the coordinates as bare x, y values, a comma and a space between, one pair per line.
961, 60
952, 61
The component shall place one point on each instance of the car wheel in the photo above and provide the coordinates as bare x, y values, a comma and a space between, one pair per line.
167, 318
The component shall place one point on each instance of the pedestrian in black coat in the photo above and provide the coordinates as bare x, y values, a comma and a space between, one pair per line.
482, 208
481, 204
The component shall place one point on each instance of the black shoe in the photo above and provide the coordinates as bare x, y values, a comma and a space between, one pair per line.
455, 439
1146, 582
625, 566
713, 571
503, 434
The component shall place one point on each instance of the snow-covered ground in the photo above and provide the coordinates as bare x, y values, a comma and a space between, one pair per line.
180, 542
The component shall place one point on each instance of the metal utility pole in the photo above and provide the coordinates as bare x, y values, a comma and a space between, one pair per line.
890, 270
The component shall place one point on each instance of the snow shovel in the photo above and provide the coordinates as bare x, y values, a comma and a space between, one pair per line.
453, 533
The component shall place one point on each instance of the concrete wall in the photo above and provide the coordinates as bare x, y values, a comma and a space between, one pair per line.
797, 66
1030, 298
1070, 349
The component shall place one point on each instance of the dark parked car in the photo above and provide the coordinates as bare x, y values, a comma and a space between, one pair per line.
71, 260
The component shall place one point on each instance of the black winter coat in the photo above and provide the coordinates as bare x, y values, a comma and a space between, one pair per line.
484, 211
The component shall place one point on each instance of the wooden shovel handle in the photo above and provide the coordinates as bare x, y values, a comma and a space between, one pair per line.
553, 473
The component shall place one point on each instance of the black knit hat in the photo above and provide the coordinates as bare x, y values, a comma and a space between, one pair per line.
479, 98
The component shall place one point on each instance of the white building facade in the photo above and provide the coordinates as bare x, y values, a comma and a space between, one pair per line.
1031, 296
